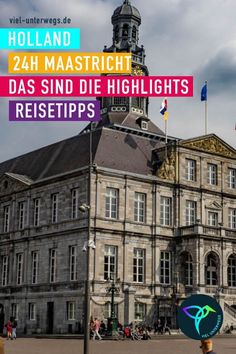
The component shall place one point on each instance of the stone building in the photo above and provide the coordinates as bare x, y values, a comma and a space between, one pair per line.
162, 217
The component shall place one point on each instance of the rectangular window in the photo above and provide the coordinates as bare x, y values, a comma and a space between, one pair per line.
191, 212
21, 215
70, 310
5, 270
139, 207
212, 174
107, 310
36, 212
74, 203
19, 268
112, 203
232, 218
212, 218
15, 311
138, 265
73, 261
232, 178
52, 265
32, 311
139, 311
34, 267
110, 262
165, 218
165, 268
190, 170
6, 218
54, 203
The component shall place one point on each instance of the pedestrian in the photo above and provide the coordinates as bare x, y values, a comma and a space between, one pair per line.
96, 329
8, 326
14, 325
207, 346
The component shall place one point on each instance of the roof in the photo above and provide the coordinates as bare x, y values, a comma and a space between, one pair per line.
130, 120
126, 9
110, 148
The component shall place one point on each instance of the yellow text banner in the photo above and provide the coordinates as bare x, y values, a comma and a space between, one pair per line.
68, 63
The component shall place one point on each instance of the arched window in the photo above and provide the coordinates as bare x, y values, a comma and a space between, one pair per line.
232, 270
125, 30
134, 33
211, 269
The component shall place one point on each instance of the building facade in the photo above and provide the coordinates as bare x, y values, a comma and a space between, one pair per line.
162, 217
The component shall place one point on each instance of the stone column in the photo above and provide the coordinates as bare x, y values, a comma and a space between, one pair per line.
129, 305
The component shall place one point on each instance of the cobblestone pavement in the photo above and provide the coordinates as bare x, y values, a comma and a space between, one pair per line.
155, 346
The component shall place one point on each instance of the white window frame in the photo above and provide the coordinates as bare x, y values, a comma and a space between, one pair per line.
190, 212
52, 265
6, 218
139, 311
212, 174
107, 310
5, 270
165, 211
112, 202
110, 262
232, 178
74, 203
190, 173
21, 215
73, 262
32, 311
188, 270
37, 202
139, 207
232, 218
139, 265
19, 268
212, 218
231, 271
15, 311
35, 267
165, 267
54, 203
71, 310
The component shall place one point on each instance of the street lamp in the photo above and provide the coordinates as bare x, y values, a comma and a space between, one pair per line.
113, 289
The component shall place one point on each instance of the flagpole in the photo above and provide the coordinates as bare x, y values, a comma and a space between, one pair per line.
166, 127
206, 115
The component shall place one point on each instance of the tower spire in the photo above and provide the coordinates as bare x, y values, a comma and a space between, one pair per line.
126, 2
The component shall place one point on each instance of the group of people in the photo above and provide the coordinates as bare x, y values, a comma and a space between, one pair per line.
161, 327
11, 328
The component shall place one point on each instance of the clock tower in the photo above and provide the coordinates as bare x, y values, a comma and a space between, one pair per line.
126, 20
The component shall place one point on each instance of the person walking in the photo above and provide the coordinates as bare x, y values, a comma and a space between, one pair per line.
8, 326
96, 329
207, 346
14, 325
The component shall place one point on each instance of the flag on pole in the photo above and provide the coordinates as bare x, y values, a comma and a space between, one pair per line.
204, 92
163, 109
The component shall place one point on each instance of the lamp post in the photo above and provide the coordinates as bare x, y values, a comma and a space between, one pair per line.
113, 289
88, 244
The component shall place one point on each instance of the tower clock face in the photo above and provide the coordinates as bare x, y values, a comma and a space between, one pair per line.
137, 71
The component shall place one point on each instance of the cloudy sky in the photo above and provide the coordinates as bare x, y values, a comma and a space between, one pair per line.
181, 37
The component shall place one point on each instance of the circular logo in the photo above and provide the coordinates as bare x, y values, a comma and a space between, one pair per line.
200, 317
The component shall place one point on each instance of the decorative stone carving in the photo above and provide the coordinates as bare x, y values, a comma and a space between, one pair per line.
211, 145
137, 71
167, 169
